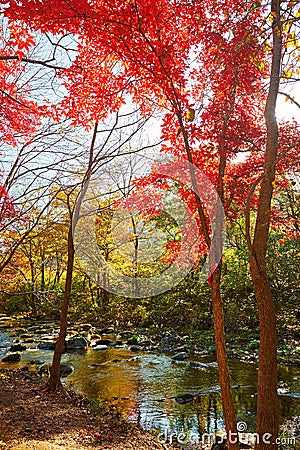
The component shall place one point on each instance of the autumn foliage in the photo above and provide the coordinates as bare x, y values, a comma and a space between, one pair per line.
205, 68
213, 57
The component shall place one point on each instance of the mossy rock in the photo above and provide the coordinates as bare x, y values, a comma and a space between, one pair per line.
12, 358
133, 340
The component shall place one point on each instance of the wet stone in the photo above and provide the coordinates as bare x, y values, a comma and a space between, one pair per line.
17, 348
182, 356
198, 365
12, 358
65, 369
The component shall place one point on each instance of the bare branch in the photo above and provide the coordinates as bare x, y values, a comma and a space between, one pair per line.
31, 61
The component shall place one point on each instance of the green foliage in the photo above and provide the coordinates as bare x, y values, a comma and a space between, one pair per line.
186, 308
15, 304
254, 344
133, 339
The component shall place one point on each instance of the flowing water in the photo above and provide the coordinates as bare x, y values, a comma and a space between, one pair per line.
144, 386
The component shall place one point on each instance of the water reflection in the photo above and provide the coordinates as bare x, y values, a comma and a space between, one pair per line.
144, 387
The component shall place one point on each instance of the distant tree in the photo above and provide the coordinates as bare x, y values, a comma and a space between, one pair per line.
213, 69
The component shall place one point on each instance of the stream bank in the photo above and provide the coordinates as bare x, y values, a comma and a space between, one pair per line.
31, 419
163, 382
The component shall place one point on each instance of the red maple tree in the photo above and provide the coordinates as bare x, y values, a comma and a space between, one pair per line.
213, 69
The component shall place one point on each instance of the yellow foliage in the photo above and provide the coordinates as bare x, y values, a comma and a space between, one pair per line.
292, 41
260, 65
287, 73
273, 16
267, 46
190, 115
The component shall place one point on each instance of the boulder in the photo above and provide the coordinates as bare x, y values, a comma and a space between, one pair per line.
29, 340
182, 356
100, 347
17, 348
77, 343
104, 342
47, 345
134, 340
168, 338
12, 358
183, 399
65, 369
135, 348
86, 327
108, 330
198, 365
126, 334
35, 362
95, 336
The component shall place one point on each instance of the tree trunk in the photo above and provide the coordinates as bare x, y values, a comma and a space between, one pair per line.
54, 380
267, 404
43, 284
217, 304
224, 374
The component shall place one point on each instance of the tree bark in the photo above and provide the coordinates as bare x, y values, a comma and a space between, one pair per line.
217, 304
224, 374
267, 404
54, 379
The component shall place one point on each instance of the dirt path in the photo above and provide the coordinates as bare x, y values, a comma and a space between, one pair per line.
31, 419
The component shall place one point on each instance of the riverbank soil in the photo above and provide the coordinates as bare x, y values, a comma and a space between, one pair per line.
31, 419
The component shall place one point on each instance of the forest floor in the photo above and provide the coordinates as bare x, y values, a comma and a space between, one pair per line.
32, 419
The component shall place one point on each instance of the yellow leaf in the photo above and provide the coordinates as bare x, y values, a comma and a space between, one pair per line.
267, 46
260, 65
190, 115
287, 73
285, 26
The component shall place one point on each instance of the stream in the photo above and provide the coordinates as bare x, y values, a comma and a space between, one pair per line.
145, 385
